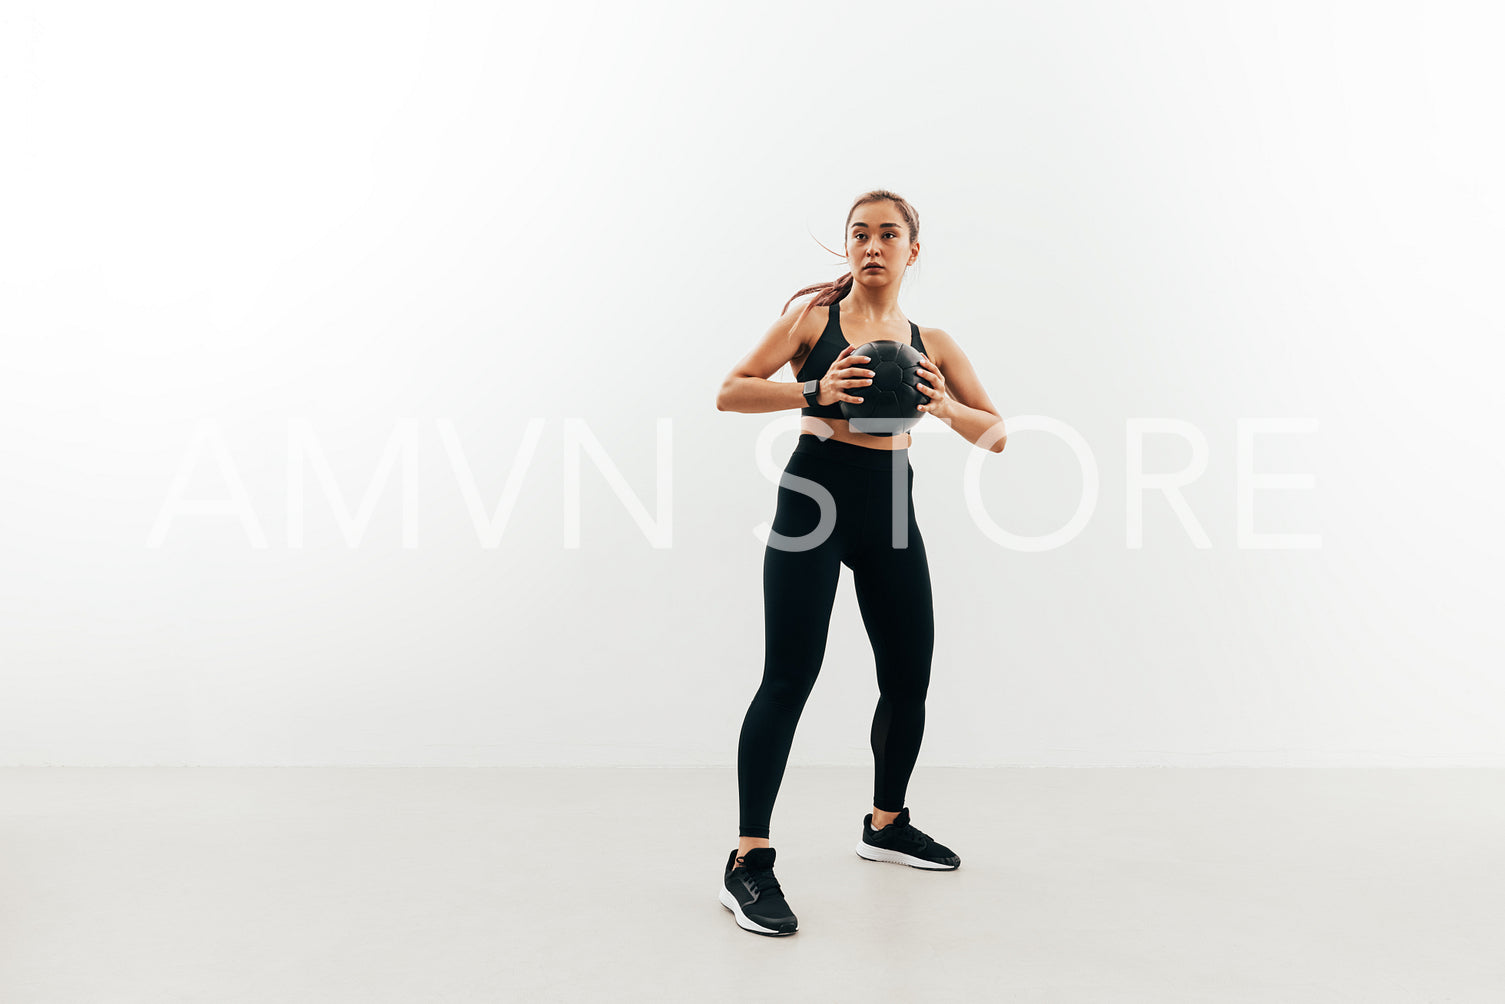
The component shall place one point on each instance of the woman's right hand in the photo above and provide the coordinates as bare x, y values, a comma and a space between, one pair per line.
842, 375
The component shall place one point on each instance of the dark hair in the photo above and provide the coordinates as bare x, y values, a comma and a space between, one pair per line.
830, 292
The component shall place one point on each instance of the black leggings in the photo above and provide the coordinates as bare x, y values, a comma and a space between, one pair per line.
892, 580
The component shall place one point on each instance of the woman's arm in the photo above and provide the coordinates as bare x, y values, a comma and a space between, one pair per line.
748, 389
966, 407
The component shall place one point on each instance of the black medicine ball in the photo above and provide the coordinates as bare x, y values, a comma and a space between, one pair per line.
890, 403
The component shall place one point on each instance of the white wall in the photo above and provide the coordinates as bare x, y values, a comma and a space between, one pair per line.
457, 230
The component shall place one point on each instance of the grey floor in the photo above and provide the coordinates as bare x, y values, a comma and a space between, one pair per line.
407, 884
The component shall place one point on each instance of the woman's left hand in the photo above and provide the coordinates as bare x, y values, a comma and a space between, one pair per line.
936, 391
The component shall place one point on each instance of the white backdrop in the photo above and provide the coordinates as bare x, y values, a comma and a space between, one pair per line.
305, 305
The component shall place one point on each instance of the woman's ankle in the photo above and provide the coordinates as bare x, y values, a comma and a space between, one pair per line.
745, 844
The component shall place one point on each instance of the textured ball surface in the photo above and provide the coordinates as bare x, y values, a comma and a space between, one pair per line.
890, 404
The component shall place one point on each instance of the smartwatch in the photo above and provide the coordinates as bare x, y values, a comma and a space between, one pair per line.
812, 393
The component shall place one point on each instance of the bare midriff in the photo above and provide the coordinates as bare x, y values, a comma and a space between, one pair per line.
840, 429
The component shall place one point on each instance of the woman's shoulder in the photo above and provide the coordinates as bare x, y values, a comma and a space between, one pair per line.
937, 341
809, 321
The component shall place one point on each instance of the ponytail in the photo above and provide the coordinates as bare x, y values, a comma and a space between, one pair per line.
830, 292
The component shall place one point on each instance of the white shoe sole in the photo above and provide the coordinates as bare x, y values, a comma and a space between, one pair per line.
730, 902
867, 850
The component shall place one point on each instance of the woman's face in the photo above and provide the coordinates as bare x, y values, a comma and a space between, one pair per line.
878, 245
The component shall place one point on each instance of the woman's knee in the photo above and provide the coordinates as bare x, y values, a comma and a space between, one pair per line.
905, 683
787, 689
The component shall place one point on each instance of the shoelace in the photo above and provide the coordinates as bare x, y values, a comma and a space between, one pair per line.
913, 834
761, 879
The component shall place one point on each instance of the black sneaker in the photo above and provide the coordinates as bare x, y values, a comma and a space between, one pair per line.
753, 895
902, 844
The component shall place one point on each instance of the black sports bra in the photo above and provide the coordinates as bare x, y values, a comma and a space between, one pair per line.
826, 349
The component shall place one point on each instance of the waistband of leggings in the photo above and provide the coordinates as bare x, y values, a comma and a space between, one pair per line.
836, 451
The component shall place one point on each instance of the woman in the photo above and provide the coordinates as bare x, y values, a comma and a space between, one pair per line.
858, 472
